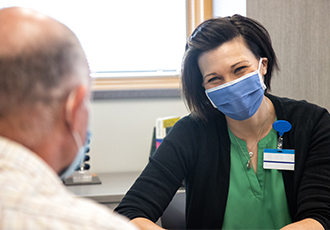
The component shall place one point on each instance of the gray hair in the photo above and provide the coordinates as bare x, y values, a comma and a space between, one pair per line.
42, 73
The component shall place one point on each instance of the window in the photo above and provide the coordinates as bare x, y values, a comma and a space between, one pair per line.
123, 39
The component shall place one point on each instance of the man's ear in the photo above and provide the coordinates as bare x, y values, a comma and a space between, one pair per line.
74, 105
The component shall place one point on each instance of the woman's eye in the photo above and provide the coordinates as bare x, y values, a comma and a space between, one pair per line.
239, 69
213, 79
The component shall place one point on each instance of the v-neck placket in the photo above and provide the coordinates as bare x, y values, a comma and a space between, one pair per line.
256, 180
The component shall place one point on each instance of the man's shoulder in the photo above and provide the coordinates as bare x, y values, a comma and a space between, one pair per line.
31, 194
81, 212
89, 213
59, 211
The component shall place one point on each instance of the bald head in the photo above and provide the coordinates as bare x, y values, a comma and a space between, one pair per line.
41, 60
22, 29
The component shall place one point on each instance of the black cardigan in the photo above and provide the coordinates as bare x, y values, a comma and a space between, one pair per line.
199, 153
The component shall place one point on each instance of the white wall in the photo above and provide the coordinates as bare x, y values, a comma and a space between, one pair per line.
223, 8
122, 131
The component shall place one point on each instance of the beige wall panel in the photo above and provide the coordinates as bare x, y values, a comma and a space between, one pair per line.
300, 31
122, 131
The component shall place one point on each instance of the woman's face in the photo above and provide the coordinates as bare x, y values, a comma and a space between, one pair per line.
228, 62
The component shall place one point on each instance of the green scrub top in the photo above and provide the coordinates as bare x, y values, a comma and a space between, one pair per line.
255, 201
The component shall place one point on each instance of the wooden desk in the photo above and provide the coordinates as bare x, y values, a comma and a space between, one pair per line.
112, 190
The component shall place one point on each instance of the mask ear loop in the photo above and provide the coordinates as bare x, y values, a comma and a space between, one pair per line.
259, 66
260, 76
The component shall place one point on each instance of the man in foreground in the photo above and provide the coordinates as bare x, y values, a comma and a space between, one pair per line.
44, 103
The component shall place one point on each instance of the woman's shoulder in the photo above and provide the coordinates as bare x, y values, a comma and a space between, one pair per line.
188, 124
285, 101
292, 108
194, 121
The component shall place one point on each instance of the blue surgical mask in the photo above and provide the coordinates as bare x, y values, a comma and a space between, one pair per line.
78, 160
241, 98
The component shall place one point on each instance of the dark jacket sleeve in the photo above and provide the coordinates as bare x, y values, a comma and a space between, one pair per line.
154, 189
308, 186
313, 198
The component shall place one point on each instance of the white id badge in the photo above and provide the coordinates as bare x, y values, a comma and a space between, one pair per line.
282, 159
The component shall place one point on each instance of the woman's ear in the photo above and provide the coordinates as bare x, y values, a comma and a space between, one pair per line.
264, 65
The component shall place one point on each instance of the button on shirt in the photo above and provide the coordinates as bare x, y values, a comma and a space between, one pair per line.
33, 197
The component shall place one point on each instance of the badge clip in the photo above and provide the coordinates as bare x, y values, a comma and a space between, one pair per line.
281, 127
280, 159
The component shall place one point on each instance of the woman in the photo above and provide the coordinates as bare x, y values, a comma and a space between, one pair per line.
220, 149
